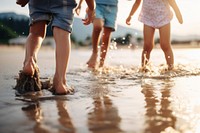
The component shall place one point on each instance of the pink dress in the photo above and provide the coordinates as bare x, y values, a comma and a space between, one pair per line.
155, 13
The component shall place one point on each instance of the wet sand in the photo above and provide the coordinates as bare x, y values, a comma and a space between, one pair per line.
117, 99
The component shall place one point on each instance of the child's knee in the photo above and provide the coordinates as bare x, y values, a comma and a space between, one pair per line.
148, 48
97, 27
165, 46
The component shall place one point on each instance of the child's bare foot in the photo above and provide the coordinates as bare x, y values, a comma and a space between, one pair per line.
93, 60
61, 88
29, 67
101, 64
145, 69
29, 79
170, 67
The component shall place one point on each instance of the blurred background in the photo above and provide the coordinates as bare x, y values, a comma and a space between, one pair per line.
14, 25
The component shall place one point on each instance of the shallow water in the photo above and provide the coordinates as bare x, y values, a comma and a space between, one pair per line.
115, 99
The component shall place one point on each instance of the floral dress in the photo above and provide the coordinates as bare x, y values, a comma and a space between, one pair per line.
155, 13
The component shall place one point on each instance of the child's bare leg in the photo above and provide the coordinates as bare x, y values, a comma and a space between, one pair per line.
166, 45
33, 43
105, 43
148, 33
63, 47
97, 28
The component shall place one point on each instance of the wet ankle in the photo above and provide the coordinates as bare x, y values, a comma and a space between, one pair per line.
170, 67
95, 52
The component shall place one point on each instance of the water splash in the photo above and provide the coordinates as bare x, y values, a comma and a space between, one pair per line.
113, 45
148, 71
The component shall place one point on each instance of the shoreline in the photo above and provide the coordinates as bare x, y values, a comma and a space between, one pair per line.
174, 46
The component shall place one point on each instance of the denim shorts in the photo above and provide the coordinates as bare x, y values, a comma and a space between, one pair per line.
58, 12
108, 13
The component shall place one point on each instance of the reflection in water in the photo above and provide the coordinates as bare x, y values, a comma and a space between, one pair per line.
104, 116
64, 118
159, 115
34, 113
102, 88
123, 79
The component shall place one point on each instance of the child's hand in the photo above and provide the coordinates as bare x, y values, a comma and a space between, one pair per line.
179, 17
128, 20
90, 16
78, 10
22, 3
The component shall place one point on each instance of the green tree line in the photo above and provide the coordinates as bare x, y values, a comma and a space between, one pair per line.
12, 28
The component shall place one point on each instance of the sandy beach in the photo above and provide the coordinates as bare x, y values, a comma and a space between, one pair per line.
116, 99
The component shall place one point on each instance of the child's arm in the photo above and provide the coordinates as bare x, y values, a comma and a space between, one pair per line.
133, 10
91, 4
90, 12
78, 8
173, 4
